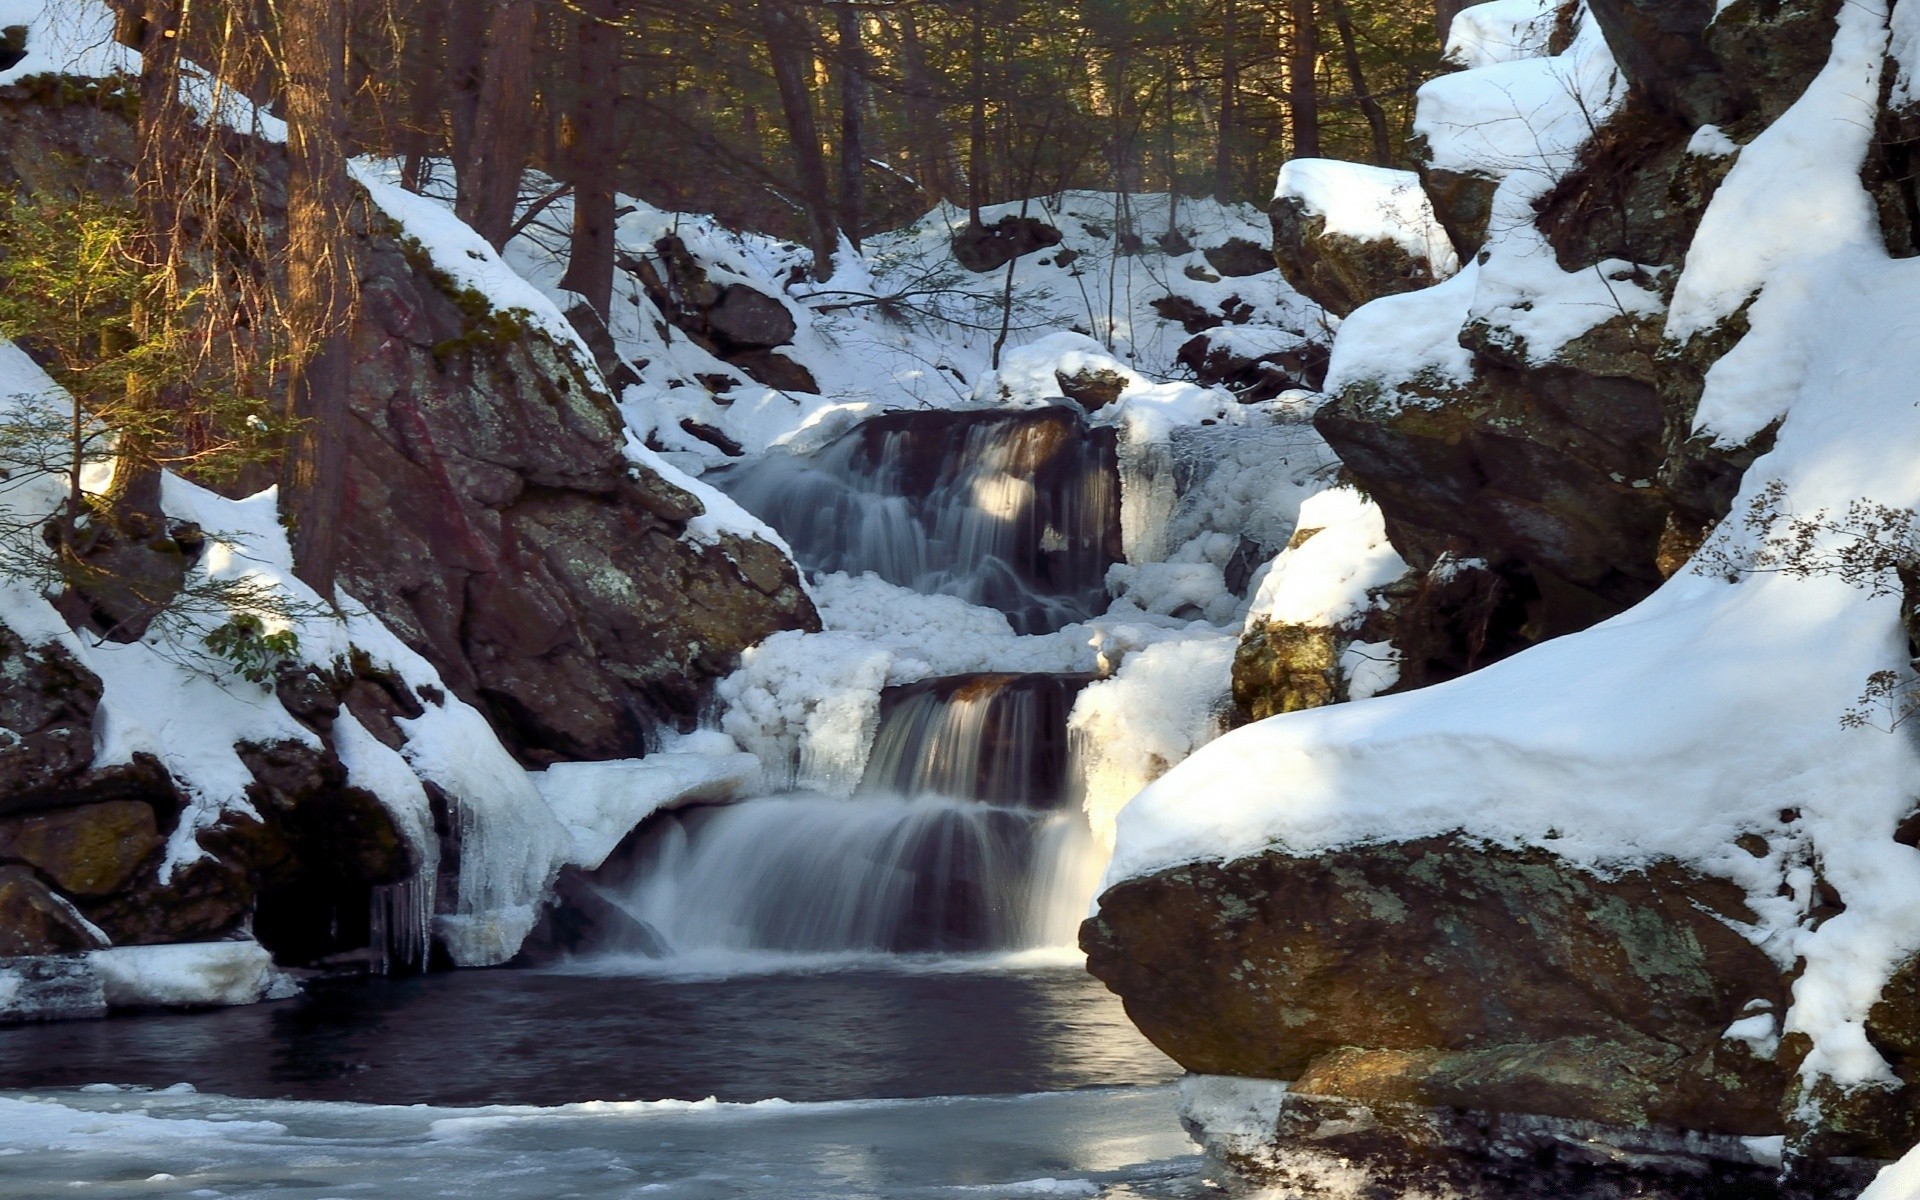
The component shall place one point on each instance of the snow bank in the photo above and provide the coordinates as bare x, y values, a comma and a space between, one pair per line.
931, 344
1370, 204
1521, 122
1711, 710
191, 974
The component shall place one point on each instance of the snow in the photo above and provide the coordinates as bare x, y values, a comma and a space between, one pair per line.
129, 1141
599, 803
1326, 580
1898, 1181
1713, 708
66, 37
1501, 31
190, 974
1370, 204
1167, 700
1710, 141
1788, 212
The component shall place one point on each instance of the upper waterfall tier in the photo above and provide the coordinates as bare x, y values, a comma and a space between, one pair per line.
1018, 511
996, 738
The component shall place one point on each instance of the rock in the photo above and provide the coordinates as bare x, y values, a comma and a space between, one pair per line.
202, 900
776, 371
1321, 1147
580, 919
88, 851
1338, 272
1487, 973
1709, 64
1092, 388
1255, 363
750, 320
989, 247
498, 528
1549, 472
1237, 258
1462, 203
1281, 668
47, 702
34, 919
50, 988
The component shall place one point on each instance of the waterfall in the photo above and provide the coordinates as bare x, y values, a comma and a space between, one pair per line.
966, 833
965, 836
1018, 511
991, 738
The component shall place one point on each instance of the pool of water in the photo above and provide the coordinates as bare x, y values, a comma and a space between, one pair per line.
924, 1079
538, 1037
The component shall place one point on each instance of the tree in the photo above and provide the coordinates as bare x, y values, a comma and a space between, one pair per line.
789, 43
1303, 88
321, 281
853, 104
499, 102
592, 146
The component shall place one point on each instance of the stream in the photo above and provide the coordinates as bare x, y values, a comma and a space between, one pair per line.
834, 995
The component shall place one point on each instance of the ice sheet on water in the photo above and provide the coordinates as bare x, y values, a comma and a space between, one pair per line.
120, 1143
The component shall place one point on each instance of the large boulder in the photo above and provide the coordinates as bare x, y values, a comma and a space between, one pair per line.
1449, 973
497, 525
1548, 471
1709, 63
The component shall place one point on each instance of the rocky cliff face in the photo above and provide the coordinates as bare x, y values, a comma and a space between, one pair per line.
1461, 1018
494, 519
579, 599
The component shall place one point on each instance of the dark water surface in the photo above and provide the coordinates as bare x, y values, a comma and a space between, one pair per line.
527, 1037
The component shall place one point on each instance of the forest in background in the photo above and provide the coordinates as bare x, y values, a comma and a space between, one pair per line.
811, 119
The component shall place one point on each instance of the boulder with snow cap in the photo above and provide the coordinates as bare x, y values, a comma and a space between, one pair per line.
1345, 234
1445, 972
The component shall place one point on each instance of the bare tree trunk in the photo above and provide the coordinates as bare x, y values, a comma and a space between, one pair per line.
939, 165
1227, 128
320, 282
593, 157
790, 46
427, 61
465, 69
853, 104
489, 185
1376, 118
1444, 11
1303, 100
977, 151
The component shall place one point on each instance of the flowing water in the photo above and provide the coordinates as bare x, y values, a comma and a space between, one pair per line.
877, 991
1017, 511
